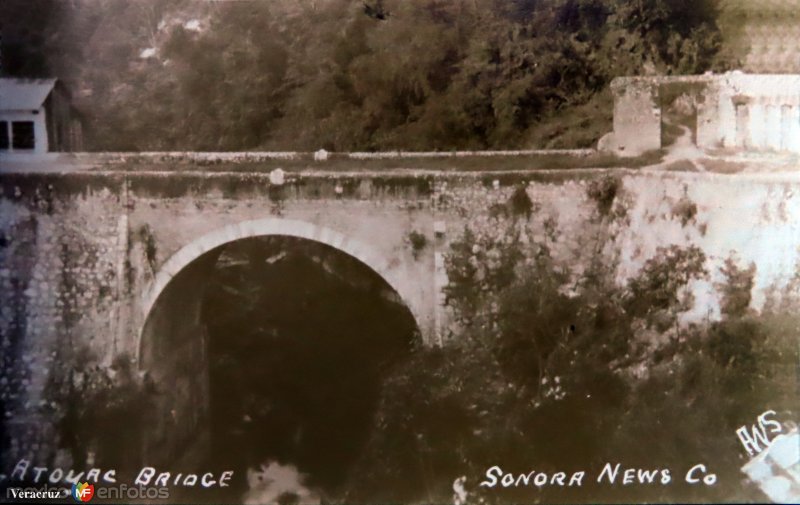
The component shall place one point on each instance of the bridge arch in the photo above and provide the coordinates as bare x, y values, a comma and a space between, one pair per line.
266, 227
172, 345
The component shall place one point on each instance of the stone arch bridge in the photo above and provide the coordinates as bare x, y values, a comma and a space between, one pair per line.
96, 264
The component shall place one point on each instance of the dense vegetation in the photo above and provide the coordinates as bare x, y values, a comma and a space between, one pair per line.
552, 372
352, 75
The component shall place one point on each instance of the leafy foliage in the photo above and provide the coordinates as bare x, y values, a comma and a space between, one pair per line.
738, 288
418, 242
685, 210
604, 191
352, 75
658, 288
557, 379
92, 435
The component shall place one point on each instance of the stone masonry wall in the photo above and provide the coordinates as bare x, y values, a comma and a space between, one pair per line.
59, 296
78, 252
751, 219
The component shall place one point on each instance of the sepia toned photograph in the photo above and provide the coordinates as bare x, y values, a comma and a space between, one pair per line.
451, 252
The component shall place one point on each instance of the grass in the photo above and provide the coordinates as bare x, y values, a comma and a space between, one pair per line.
723, 166
578, 126
521, 162
681, 166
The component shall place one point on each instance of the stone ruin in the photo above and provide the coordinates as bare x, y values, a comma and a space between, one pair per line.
717, 112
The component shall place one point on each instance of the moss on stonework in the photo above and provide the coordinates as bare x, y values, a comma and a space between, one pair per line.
144, 235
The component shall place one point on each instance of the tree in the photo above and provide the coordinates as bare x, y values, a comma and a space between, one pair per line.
353, 75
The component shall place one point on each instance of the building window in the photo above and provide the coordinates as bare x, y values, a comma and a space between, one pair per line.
23, 136
4, 143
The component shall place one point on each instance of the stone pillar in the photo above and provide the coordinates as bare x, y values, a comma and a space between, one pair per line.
709, 121
637, 115
742, 124
785, 113
757, 126
120, 333
772, 130
791, 128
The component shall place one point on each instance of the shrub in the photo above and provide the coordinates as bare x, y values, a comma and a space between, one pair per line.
520, 203
486, 73
478, 264
736, 291
555, 380
712, 381
603, 191
685, 210
99, 410
418, 242
658, 287
535, 363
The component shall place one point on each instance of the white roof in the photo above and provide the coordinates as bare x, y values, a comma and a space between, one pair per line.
24, 94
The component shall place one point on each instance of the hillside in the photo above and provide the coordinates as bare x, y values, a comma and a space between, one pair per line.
352, 75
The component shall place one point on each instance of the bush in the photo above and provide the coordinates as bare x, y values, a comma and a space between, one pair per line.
603, 191
713, 381
418, 241
659, 286
528, 366
736, 291
685, 210
100, 411
552, 381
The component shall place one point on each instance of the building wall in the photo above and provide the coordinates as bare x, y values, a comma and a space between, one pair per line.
64, 131
39, 125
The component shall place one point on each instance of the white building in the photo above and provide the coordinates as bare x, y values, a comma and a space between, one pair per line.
35, 117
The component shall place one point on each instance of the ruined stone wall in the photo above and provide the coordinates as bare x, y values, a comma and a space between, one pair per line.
733, 110
637, 117
759, 112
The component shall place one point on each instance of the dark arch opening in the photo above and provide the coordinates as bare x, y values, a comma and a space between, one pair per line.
271, 349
